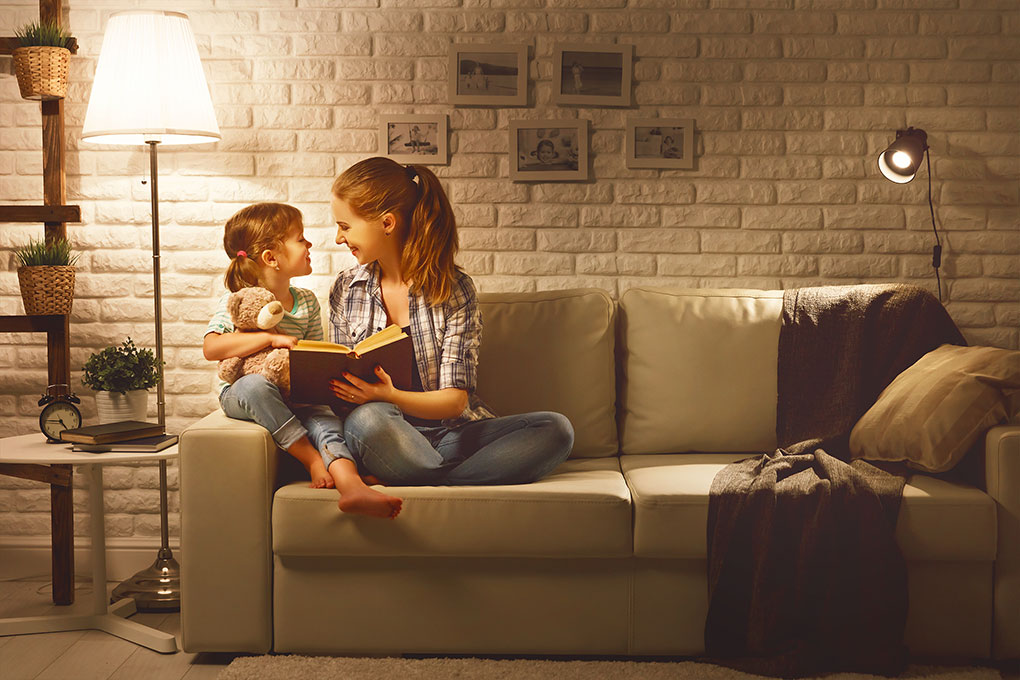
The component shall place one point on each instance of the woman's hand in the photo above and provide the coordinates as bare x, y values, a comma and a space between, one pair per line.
357, 391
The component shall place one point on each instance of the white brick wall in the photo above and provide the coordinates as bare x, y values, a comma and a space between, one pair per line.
793, 100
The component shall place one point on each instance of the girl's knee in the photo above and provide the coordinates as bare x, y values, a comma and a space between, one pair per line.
251, 385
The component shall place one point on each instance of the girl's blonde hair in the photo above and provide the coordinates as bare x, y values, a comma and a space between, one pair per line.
249, 232
376, 186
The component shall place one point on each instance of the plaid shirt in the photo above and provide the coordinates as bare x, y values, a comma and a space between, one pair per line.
445, 337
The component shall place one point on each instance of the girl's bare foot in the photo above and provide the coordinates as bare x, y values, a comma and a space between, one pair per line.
320, 478
362, 500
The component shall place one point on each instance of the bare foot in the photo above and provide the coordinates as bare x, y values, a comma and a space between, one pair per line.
370, 480
366, 501
320, 478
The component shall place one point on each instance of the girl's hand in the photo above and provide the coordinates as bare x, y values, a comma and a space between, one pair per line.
280, 340
357, 391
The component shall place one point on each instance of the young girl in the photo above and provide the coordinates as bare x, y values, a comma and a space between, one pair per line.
267, 247
399, 225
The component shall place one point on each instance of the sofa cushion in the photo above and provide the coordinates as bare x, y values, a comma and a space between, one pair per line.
938, 520
582, 509
699, 370
933, 412
552, 351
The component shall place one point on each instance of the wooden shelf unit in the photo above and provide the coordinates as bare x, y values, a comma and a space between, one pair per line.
54, 179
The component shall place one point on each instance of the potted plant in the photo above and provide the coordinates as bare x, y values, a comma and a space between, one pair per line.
46, 276
42, 61
121, 376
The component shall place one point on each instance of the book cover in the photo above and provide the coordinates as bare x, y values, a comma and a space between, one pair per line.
111, 432
143, 445
313, 364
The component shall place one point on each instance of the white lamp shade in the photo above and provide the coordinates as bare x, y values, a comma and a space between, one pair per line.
149, 84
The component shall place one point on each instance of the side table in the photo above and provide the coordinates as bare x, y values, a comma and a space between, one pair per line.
32, 449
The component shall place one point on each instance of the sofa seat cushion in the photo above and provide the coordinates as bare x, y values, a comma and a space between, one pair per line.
938, 520
582, 509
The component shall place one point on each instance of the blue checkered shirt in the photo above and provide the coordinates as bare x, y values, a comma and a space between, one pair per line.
445, 337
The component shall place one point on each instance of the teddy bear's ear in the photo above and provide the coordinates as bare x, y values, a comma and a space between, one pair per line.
234, 303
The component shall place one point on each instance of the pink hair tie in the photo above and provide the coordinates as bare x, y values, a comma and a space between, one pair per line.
241, 253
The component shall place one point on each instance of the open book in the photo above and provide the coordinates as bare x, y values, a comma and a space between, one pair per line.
313, 363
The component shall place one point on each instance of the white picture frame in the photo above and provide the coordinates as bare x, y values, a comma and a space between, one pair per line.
547, 150
488, 75
415, 138
595, 74
660, 143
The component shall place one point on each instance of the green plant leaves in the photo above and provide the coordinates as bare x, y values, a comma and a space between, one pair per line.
41, 253
42, 33
121, 368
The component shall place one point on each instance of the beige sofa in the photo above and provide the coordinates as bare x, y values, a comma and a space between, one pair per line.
606, 555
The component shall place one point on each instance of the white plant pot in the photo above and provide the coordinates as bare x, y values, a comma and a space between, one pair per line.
113, 407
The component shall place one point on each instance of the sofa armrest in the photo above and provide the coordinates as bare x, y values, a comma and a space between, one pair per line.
227, 476
1002, 479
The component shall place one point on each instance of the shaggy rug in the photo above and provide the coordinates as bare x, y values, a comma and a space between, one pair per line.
286, 667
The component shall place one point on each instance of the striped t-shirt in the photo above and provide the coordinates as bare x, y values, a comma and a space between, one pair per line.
303, 321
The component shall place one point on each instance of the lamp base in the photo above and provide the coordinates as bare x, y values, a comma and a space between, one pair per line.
156, 589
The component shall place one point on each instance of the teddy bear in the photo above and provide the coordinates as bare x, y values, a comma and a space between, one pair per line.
257, 309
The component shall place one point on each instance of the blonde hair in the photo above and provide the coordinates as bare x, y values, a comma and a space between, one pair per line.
252, 230
376, 186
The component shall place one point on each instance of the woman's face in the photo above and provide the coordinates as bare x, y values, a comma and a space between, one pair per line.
363, 237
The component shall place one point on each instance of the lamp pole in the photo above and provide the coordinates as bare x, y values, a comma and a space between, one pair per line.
157, 588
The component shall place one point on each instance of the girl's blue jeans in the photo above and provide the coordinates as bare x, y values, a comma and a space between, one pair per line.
509, 450
254, 398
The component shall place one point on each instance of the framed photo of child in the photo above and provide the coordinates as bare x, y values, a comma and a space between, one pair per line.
660, 143
598, 74
415, 138
488, 75
548, 150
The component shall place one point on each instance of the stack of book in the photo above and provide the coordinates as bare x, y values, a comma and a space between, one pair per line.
124, 436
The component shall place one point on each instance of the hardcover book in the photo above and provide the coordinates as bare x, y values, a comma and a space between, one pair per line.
143, 445
112, 432
313, 363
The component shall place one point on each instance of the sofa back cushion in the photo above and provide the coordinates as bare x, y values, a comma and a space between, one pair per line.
552, 351
698, 370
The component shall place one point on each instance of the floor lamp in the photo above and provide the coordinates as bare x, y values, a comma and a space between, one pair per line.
149, 89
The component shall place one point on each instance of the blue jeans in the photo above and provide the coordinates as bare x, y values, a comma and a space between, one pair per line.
254, 398
509, 450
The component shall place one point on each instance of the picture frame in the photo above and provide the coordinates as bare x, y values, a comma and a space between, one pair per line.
660, 143
595, 74
549, 150
488, 75
415, 138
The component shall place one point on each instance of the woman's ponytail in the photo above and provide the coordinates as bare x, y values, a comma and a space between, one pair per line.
432, 244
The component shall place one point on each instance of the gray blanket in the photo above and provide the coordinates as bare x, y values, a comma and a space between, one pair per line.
804, 572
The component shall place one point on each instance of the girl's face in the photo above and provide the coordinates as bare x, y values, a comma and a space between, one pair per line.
546, 153
294, 254
365, 238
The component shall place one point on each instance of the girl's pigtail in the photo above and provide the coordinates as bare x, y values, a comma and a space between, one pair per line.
241, 273
431, 247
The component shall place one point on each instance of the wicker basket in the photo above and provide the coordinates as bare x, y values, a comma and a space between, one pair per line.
47, 289
42, 71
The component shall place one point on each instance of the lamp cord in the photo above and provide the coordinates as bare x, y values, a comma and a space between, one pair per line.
936, 250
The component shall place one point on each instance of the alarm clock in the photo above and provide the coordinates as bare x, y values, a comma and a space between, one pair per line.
59, 413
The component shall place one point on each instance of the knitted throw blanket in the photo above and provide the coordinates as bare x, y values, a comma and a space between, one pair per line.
804, 572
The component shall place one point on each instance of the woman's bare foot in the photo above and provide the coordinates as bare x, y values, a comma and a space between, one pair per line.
362, 500
320, 478
371, 480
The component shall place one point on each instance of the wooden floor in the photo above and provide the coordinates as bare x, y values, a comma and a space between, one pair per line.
90, 655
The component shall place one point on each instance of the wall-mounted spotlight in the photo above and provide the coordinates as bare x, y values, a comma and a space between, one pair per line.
899, 163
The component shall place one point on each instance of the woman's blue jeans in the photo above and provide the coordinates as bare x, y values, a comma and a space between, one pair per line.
254, 398
509, 450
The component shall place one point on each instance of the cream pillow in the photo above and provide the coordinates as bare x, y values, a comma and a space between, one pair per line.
934, 411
